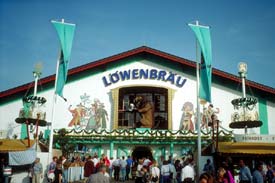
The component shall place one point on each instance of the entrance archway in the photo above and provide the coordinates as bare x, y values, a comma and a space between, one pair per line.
142, 152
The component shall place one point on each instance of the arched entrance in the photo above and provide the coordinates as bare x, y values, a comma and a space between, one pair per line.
142, 152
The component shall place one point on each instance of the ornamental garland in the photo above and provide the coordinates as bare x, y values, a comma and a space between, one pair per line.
119, 132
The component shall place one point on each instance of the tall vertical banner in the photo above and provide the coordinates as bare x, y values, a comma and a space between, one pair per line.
203, 36
65, 33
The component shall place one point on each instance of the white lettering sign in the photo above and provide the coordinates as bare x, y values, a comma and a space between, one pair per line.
255, 138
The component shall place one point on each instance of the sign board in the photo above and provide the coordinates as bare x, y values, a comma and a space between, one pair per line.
255, 138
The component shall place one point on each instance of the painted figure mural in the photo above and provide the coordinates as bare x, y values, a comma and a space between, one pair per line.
89, 115
186, 118
209, 117
146, 110
93, 118
77, 113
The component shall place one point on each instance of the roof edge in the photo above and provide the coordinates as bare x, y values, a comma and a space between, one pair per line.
142, 49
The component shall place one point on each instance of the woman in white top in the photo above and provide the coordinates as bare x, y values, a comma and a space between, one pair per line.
154, 172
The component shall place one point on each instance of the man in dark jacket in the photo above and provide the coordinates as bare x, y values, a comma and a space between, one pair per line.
88, 168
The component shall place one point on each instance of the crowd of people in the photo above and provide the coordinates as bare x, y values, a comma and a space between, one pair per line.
225, 173
148, 170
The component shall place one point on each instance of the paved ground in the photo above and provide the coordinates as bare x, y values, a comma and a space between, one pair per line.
112, 181
129, 181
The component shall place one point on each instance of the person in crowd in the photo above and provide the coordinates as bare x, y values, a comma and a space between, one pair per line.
30, 172
98, 165
170, 159
160, 163
244, 174
273, 169
88, 168
154, 172
2, 165
100, 176
128, 167
116, 166
208, 167
134, 169
123, 164
95, 160
206, 178
257, 174
221, 176
178, 167
111, 167
77, 161
230, 165
147, 162
6, 171
145, 174
139, 173
165, 172
65, 166
58, 173
173, 172
269, 176
188, 172
37, 171
228, 174
106, 160
52, 166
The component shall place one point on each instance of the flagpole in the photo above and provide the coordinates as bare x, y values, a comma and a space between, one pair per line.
198, 57
53, 108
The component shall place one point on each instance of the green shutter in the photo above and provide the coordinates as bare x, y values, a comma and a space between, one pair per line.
263, 116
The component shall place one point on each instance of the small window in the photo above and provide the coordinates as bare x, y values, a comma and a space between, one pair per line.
128, 118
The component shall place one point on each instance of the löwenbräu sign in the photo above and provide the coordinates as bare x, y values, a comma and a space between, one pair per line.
152, 74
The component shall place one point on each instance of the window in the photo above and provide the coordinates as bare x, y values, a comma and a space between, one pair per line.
157, 96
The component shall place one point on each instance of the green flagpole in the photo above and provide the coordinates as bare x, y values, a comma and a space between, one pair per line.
203, 74
198, 57
65, 33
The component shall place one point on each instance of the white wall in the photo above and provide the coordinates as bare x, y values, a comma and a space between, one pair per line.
94, 87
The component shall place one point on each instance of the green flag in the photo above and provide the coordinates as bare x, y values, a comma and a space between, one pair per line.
65, 33
203, 36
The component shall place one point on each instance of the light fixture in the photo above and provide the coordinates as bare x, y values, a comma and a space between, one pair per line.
242, 68
38, 69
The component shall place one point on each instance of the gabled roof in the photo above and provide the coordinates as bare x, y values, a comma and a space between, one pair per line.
134, 52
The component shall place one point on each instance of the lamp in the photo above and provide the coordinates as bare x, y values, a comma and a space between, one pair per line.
242, 69
37, 69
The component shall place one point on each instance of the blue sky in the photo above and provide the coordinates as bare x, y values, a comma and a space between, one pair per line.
241, 31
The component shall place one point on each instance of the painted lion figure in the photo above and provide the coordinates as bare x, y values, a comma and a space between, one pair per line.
146, 110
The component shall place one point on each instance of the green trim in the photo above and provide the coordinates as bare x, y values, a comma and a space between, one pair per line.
111, 149
24, 134
263, 116
171, 149
163, 151
47, 134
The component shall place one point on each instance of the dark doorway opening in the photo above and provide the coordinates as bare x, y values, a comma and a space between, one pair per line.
142, 152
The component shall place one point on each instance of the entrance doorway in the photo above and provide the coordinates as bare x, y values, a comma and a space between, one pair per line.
142, 152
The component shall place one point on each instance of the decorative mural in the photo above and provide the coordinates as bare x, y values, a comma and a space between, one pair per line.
209, 117
145, 109
186, 118
88, 114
